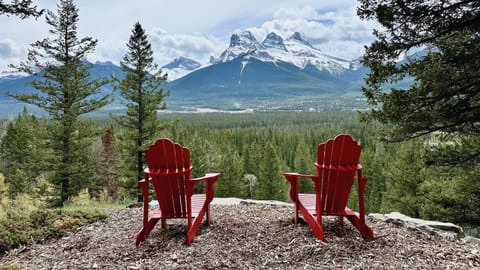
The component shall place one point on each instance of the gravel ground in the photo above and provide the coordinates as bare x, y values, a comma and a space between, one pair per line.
244, 236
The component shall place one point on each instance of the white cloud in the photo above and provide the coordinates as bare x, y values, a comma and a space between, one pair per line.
169, 46
10, 53
338, 32
196, 29
8, 48
305, 12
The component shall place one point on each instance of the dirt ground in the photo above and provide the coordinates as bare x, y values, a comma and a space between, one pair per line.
244, 236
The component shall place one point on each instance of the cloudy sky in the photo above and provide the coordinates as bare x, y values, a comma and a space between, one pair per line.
195, 29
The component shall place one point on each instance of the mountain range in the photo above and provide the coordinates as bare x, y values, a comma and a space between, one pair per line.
275, 74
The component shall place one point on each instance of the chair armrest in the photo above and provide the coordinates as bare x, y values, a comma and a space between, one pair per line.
210, 179
207, 176
294, 176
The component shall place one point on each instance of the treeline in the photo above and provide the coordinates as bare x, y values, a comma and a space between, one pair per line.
252, 151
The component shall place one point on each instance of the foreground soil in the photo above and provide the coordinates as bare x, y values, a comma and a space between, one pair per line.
244, 236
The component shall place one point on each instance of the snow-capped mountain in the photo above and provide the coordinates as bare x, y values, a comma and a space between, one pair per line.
274, 48
276, 72
179, 67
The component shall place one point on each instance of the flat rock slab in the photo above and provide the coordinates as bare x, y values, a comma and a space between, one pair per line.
445, 229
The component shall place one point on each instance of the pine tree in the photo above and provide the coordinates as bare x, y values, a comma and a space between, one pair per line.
445, 94
374, 161
66, 93
22, 153
304, 163
141, 88
271, 184
404, 177
230, 184
22, 9
108, 168
250, 182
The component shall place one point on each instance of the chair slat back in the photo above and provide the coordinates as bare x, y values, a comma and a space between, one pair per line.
337, 161
169, 166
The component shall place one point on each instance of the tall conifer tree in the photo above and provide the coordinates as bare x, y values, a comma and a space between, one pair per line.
66, 91
141, 88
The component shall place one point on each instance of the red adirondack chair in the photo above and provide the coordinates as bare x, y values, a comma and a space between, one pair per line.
169, 171
337, 163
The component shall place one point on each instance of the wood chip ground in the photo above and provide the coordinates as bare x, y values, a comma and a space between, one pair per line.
244, 237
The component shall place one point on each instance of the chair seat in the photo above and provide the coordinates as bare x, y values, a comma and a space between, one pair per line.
198, 201
308, 201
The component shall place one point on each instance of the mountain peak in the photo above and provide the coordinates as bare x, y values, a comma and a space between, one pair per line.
182, 63
274, 41
245, 40
297, 37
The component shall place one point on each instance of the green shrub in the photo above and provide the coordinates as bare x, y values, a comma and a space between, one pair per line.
40, 225
9, 267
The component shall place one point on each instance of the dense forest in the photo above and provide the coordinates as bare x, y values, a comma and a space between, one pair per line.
252, 150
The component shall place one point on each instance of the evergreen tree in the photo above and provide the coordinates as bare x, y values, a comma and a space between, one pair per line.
250, 182
375, 161
108, 168
404, 177
22, 9
22, 153
445, 94
252, 157
271, 184
66, 93
304, 163
230, 184
141, 88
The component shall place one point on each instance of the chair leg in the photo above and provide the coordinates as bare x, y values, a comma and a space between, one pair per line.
142, 235
164, 223
313, 223
295, 214
194, 226
208, 214
364, 229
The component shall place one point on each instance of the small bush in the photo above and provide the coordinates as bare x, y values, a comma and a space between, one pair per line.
40, 225
9, 267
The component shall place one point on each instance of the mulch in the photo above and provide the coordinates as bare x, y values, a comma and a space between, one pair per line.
244, 236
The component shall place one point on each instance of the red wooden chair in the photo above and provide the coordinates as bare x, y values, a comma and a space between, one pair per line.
169, 171
337, 163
